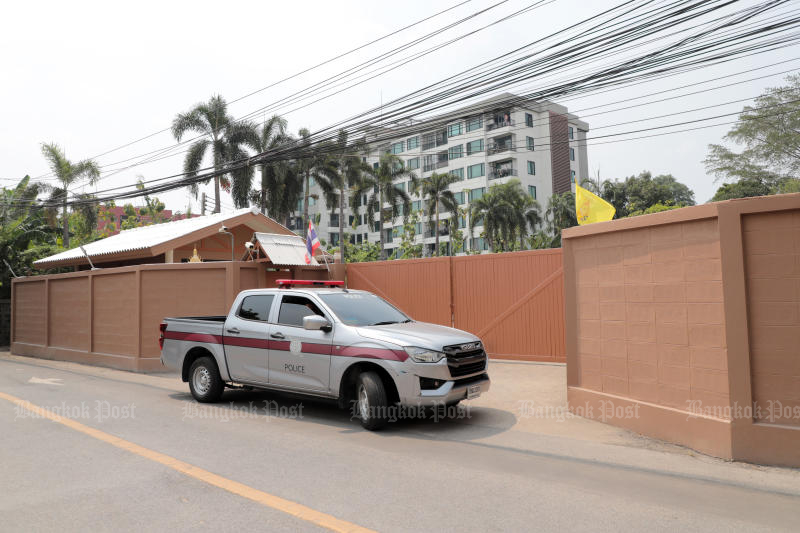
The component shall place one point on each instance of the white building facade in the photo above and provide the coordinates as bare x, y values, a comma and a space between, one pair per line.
537, 142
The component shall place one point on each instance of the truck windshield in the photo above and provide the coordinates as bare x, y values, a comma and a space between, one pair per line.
360, 309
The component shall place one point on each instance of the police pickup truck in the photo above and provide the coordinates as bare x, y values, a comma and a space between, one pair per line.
318, 338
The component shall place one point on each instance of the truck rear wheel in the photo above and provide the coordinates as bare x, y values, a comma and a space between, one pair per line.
204, 380
372, 405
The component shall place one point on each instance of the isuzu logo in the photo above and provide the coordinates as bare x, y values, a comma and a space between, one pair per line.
470, 346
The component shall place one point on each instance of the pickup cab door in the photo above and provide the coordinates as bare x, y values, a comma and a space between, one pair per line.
299, 358
246, 339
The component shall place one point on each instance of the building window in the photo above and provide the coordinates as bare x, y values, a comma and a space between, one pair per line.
375, 165
413, 163
334, 238
475, 171
454, 152
529, 142
351, 219
475, 123
572, 154
412, 142
474, 147
416, 205
458, 173
572, 175
474, 194
532, 168
359, 239
571, 132
478, 243
529, 120
455, 129
532, 191
418, 228
334, 220
459, 197
397, 148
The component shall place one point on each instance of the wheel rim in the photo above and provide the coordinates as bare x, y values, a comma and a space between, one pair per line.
363, 402
201, 380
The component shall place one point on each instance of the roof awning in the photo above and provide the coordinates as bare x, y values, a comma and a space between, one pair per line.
283, 249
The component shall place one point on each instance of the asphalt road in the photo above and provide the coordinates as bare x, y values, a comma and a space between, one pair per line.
161, 462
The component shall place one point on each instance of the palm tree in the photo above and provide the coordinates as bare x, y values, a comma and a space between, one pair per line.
314, 163
270, 137
226, 137
561, 214
494, 212
340, 175
67, 174
523, 211
436, 189
381, 182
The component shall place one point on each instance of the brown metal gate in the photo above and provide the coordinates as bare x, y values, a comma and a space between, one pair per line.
513, 301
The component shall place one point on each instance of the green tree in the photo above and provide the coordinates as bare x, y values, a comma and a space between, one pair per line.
408, 248
560, 215
523, 212
769, 134
25, 234
338, 176
493, 212
67, 173
383, 190
638, 193
225, 137
436, 191
271, 136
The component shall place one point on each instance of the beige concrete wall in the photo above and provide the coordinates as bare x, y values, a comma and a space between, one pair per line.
684, 325
772, 264
111, 317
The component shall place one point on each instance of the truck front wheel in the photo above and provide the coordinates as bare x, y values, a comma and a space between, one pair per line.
372, 405
204, 380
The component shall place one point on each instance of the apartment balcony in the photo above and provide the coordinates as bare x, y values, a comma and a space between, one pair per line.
497, 124
495, 147
501, 173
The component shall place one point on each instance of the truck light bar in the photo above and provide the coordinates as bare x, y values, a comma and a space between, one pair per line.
288, 283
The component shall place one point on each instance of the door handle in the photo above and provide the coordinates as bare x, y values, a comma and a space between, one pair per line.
235, 331
277, 335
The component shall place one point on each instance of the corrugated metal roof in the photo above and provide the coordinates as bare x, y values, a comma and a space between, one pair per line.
145, 236
284, 249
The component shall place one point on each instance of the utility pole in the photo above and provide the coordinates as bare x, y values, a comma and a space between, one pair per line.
203, 204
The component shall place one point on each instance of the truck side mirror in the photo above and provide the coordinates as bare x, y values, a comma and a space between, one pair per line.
316, 322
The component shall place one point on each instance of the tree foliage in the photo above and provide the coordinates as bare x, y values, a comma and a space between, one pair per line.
636, 194
769, 134
506, 213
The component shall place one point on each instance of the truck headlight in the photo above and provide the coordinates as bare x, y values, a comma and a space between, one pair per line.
424, 355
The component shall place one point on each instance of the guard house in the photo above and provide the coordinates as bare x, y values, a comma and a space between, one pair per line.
109, 315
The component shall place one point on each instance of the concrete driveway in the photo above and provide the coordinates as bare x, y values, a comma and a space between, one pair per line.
135, 451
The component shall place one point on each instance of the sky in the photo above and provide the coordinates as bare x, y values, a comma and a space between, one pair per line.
93, 76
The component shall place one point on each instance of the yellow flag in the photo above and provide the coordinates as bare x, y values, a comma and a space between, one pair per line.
591, 208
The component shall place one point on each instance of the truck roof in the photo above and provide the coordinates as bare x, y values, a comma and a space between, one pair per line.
315, 290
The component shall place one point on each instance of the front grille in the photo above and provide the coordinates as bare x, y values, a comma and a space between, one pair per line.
463, 363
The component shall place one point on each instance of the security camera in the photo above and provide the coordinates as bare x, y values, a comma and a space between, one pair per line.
248, 245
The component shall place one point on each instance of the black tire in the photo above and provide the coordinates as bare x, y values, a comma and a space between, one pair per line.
370, 391
204, 380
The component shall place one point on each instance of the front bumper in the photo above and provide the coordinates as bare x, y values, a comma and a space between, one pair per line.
453, 391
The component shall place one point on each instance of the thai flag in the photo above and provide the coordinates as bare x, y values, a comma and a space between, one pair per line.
312, 242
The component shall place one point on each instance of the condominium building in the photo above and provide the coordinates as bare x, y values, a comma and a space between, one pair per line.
506, 137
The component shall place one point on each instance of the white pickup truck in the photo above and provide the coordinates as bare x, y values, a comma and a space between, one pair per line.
317, 338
